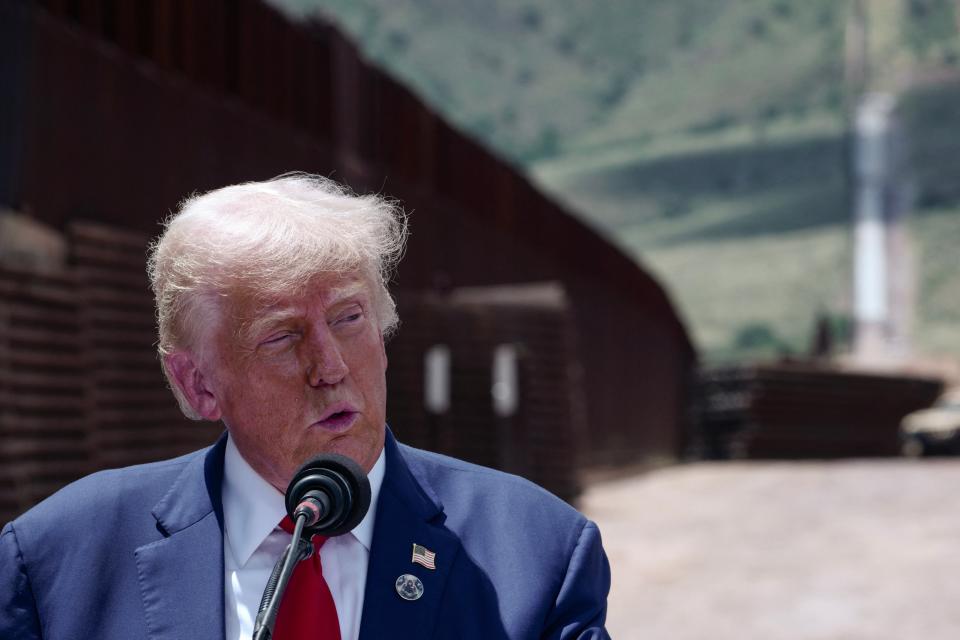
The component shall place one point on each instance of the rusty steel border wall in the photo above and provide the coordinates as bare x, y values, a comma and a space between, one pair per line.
131, 106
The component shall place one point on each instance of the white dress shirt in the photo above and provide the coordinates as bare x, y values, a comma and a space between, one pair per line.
253, 541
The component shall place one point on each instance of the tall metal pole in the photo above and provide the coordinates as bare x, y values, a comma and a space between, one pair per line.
870, 272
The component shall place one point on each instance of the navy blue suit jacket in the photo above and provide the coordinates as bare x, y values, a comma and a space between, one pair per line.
138, 553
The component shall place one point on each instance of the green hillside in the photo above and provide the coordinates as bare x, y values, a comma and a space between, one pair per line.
932, 115
706, 137
542, 78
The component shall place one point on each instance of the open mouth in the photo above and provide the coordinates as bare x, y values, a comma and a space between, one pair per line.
338, 420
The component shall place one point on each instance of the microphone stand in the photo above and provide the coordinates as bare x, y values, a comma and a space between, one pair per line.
298, 550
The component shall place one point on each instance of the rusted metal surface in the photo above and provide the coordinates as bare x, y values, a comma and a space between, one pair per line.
44, 417
80, 385
544, 438
132, 106
134, 419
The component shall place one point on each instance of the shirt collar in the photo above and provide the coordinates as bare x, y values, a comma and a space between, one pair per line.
252, 507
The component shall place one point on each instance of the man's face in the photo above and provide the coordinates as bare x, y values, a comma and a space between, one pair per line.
302, 377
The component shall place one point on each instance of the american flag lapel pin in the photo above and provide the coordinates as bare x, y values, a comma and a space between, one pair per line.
424, 557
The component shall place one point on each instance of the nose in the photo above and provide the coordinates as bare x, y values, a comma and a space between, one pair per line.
325, 363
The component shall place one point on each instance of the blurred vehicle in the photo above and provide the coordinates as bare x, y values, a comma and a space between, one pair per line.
933, 431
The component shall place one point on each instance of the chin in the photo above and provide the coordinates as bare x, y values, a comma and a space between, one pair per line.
362, 450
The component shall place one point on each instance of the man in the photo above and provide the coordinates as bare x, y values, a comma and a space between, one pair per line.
272, 309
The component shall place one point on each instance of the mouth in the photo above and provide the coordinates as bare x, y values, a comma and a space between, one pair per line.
337, 418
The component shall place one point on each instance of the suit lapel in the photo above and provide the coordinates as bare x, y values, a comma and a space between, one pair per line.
407, 513
181, 575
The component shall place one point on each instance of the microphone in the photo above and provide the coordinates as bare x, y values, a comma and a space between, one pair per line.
332, 491
328, 496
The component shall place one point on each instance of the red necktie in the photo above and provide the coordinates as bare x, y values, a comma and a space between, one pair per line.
307, 611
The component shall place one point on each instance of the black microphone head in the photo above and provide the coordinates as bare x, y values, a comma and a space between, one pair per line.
343, 482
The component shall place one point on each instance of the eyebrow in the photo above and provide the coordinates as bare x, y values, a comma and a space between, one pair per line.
342, 293
265, 321
274, 317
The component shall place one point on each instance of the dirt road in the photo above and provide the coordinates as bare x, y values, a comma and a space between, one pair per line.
851, 550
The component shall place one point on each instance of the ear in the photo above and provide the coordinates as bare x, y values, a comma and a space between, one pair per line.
193, 385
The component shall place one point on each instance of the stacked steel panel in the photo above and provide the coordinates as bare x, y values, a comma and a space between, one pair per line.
135, 418
80, 385
44, 403
796, 411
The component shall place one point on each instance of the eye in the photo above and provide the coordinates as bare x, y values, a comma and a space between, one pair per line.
351, 316
279, 338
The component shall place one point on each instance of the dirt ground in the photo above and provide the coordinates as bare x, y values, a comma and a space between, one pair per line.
851, 550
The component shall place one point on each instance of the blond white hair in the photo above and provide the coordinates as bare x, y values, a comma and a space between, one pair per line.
268, 240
